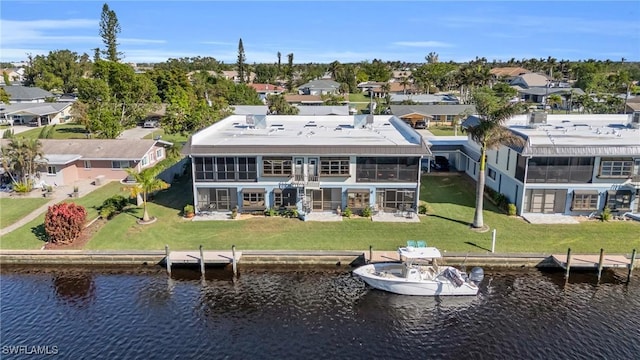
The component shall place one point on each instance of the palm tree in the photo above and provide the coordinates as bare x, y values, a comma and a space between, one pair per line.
23, 156
554, 100
405, 82
146, 182
490, 133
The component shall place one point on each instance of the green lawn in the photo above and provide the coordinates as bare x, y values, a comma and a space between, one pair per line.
451, 197
358, 97
443, 131
177, 139
14, 209
31, 236
61, 131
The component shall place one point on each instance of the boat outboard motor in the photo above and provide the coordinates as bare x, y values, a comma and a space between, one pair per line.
476, 275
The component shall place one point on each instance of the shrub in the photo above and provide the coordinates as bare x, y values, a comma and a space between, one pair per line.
63, 222
22, 187
271, 212
8, 134
234, 212
511, 209
117, 202
347, 212
188, 209
107, 212
366, 212
424, 208
606, 214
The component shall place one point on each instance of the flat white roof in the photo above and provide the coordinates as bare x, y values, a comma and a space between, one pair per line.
295, 130
578, 130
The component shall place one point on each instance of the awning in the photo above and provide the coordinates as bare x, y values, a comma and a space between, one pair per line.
253, 191
585, 192
359, 191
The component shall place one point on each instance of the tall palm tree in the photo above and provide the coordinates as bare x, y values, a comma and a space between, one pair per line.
555, 100
146, 182
23, 157
490, 133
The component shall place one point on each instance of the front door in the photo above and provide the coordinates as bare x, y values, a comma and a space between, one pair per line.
222, 199
315, 199
313, 168
298, 169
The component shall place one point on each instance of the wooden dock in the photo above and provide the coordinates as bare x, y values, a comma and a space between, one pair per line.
591, 261
210, 257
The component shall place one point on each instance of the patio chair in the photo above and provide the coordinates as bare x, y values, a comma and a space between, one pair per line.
421, 244
412, 243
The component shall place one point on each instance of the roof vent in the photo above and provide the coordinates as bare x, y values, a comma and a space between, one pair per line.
537, 118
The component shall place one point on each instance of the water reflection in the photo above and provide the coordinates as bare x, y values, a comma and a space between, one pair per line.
77, 289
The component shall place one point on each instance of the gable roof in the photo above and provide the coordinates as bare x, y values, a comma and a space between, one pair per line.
266, 88
402, 110
24, 93
37, 109
321, 84
509, 71
95, 149
294, 98
532, 79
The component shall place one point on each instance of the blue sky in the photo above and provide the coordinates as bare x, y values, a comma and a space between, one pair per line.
347, 31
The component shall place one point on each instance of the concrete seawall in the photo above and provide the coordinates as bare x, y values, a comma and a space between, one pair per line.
264, 257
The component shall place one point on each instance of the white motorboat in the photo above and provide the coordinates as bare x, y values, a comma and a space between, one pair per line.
419, 274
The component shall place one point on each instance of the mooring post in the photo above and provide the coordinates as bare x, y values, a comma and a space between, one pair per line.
234, 263
566, 275
633, 261
370, 253
201, 261
600, 261
493, 241
167, 259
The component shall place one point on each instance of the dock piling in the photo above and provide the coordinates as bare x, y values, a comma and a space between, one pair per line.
234, 264
201, 261
633, 261
600, 261
167, 259
370, 253
566, 275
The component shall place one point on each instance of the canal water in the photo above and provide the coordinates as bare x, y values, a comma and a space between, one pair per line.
304, 313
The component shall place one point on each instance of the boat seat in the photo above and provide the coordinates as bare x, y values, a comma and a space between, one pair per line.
421, 244
412, 243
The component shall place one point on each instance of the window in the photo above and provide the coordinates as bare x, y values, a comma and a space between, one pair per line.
619, 199
51, 170
276, 166
616, 168
396, 198
358, 199
247, 168
584, 200
159, 154
120, 164
334, 166
492, 174
387, 169
253, 199
87, 164
204, 168
450, 118
560, 170
225, 168
145, 161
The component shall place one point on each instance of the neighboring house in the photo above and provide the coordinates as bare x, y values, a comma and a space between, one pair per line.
369, 87
16, 76
265, 90
26, 94
530, 80
421, 116
319, 87
569, 164
233, 76
75, 159
36, 114
294, 99
425, 99
399, 75
69, 98
311, 163
508, 73
539, 95
631, 107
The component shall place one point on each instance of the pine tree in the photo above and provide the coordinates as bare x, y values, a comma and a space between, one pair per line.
109, 30
241, 60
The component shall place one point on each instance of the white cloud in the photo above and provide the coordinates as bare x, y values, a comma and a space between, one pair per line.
422, 44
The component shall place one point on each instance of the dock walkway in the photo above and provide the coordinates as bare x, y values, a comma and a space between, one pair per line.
209, 257
591, 261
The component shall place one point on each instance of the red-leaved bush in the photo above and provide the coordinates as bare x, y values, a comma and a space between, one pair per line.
63, 222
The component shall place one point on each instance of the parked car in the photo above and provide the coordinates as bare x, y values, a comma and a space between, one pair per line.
151, 124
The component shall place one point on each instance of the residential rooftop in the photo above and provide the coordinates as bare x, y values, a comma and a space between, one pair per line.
333, 134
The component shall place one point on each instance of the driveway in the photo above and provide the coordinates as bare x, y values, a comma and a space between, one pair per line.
137, 133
